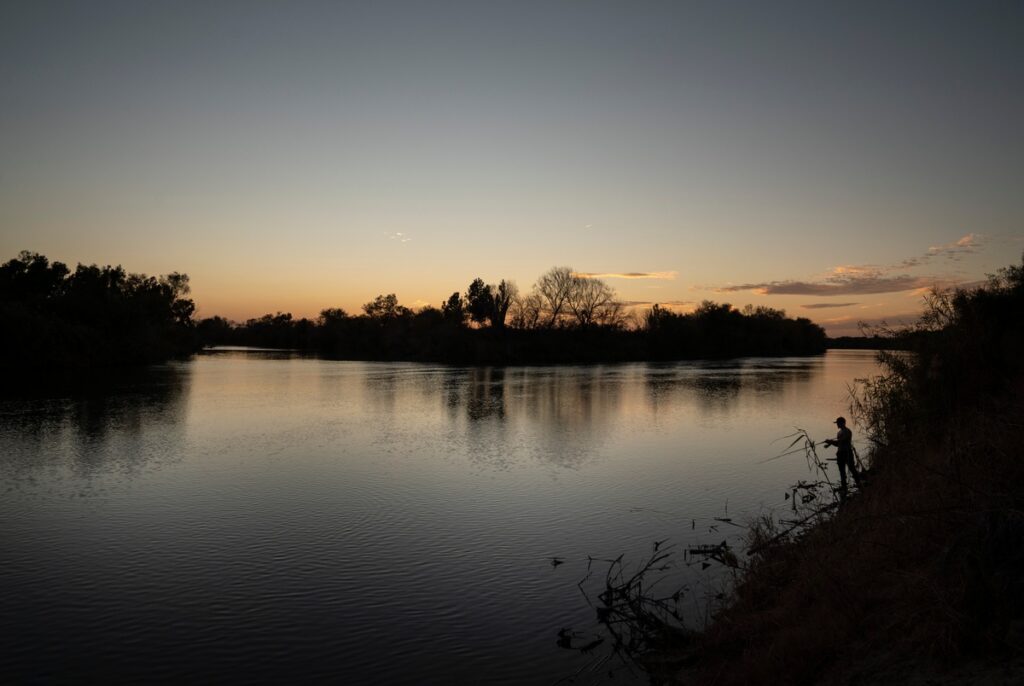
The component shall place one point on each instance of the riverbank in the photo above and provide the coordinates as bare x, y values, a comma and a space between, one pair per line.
425, 337
920, 574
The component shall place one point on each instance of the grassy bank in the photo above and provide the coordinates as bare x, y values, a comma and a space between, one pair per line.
922, 571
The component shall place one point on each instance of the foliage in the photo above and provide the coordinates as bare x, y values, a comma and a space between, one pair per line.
453, 310
501, 301
479, 301
567, 318
92, 317
385, 307
721, 330
924, 567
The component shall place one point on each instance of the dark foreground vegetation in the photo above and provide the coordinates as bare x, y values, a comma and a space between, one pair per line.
916, 578
566, 318
56, 319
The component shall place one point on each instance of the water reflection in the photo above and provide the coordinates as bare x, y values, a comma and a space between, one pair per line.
104, 427
580, 398
485, 394
555, 415
341, 513
586, 397
717, 388
561, 415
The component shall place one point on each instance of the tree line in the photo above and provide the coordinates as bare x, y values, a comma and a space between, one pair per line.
93, 317
566, 317
98, 317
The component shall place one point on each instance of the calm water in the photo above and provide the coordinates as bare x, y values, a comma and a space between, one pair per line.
257, 516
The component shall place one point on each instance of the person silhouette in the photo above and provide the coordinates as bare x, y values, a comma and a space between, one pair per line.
844, 453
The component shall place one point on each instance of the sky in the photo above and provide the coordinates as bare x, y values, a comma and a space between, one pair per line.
836, 160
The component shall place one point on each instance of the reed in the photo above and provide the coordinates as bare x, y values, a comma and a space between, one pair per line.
917, 574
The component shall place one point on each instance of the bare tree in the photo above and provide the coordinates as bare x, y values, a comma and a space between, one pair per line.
554, 288
526, 311
592, 301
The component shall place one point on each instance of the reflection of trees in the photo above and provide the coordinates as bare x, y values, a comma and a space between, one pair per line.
565, 411
577, 398
718, 388
381, 385
717, 393
106, 427
485, 393
562, 415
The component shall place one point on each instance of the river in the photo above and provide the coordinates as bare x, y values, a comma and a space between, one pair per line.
268, 516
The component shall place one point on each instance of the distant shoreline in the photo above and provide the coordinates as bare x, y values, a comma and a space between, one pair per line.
868, 343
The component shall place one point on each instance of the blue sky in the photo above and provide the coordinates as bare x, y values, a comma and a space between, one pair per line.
833, 159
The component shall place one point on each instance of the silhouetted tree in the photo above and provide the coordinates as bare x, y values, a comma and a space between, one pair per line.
501, 300
487, 303
567, 318
526, 311
385, 307
453, 310
592, 301
92, 317
332, 316
215, 331
763, 311
554, 288
479, 301
30, 276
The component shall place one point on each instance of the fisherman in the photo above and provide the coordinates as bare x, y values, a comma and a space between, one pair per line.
844, 453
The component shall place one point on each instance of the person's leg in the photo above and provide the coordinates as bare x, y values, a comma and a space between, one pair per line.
841, 461
854, 470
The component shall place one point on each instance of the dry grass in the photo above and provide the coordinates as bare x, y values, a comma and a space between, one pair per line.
921, 563
925, 564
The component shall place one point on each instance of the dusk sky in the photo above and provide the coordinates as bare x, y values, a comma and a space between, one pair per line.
832, 159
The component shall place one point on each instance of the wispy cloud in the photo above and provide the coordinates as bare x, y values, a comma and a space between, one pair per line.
661, 276
400, 237
868, 279
854, 326
660, 303
956, 249
818, 306
853, 285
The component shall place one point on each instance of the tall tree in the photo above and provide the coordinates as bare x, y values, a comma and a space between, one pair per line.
554, 288
479, 301
453, 309
592, 301
502, 298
